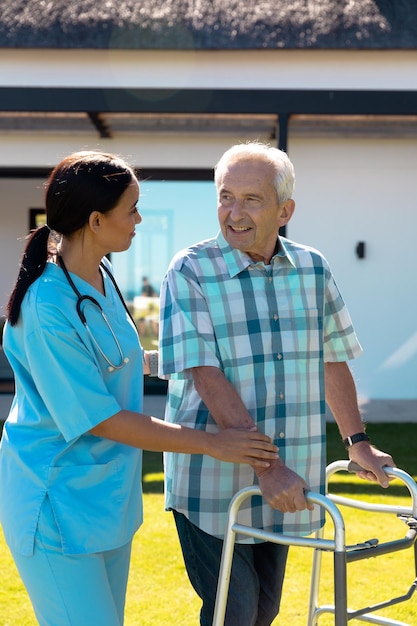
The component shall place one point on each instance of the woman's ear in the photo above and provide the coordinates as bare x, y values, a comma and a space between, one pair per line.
94, 221
286, 212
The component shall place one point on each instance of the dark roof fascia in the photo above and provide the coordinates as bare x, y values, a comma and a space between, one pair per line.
227, 101
145, 174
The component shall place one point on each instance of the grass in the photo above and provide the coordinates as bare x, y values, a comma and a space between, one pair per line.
159, 593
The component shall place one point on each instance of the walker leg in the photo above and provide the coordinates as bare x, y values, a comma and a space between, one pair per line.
340, 589
224, 578
314, 582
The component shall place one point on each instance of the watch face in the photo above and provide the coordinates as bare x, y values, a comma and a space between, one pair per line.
153, 363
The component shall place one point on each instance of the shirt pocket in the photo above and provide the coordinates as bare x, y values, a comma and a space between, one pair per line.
87, 503
301, 333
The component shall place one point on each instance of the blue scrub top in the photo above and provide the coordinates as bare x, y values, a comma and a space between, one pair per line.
63, 390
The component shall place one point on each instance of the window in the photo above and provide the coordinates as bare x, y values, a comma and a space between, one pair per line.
175, 214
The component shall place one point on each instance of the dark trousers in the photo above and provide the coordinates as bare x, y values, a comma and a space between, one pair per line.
256, 578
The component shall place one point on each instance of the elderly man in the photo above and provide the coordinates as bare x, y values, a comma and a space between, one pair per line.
254, 332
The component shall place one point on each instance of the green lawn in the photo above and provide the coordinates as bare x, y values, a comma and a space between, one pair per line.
159, 593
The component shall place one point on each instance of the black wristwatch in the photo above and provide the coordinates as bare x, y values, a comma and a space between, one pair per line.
350, 441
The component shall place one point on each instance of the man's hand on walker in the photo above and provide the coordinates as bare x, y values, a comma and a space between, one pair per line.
372, 461
283, 489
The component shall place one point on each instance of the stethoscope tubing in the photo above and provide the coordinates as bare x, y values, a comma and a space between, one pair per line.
80, 299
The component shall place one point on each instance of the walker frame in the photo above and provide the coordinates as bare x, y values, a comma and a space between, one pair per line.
342, 554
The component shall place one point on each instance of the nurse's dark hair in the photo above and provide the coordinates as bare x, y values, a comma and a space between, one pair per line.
81, 183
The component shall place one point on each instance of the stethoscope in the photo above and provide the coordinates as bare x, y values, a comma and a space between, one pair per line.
81, 299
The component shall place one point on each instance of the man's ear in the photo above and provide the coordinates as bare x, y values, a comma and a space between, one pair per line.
286, 212
94, 221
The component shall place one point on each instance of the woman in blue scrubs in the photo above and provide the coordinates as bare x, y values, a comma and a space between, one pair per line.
70, 455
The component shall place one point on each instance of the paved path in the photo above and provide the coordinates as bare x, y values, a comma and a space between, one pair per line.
373, 411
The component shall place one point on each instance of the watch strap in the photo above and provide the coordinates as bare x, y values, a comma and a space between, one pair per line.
350, 441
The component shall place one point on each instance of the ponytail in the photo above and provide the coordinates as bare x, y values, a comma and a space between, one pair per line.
32, 266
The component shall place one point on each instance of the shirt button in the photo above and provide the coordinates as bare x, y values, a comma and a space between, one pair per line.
270, 279
279, 356
281, 435
275, 317
281, 396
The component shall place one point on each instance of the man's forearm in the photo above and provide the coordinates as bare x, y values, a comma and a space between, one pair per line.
225, 404
342, 398
221, 398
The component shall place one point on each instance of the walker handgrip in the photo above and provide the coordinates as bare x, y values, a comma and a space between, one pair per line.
354, 467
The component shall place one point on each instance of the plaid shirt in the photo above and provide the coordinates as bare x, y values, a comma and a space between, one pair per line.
269, 329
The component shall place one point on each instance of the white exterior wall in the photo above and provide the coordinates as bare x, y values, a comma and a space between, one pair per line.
366, 190
348, 190
16, 197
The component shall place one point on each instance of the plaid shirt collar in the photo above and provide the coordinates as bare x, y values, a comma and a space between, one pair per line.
237, 261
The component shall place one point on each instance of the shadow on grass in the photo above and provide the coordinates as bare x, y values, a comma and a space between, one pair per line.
397, 439
153, 486
355, 489
153, 468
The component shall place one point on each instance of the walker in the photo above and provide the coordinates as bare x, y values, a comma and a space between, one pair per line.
342, 554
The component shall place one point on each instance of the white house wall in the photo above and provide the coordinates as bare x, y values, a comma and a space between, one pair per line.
348, 190
355, 190
146, 150
16, 197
